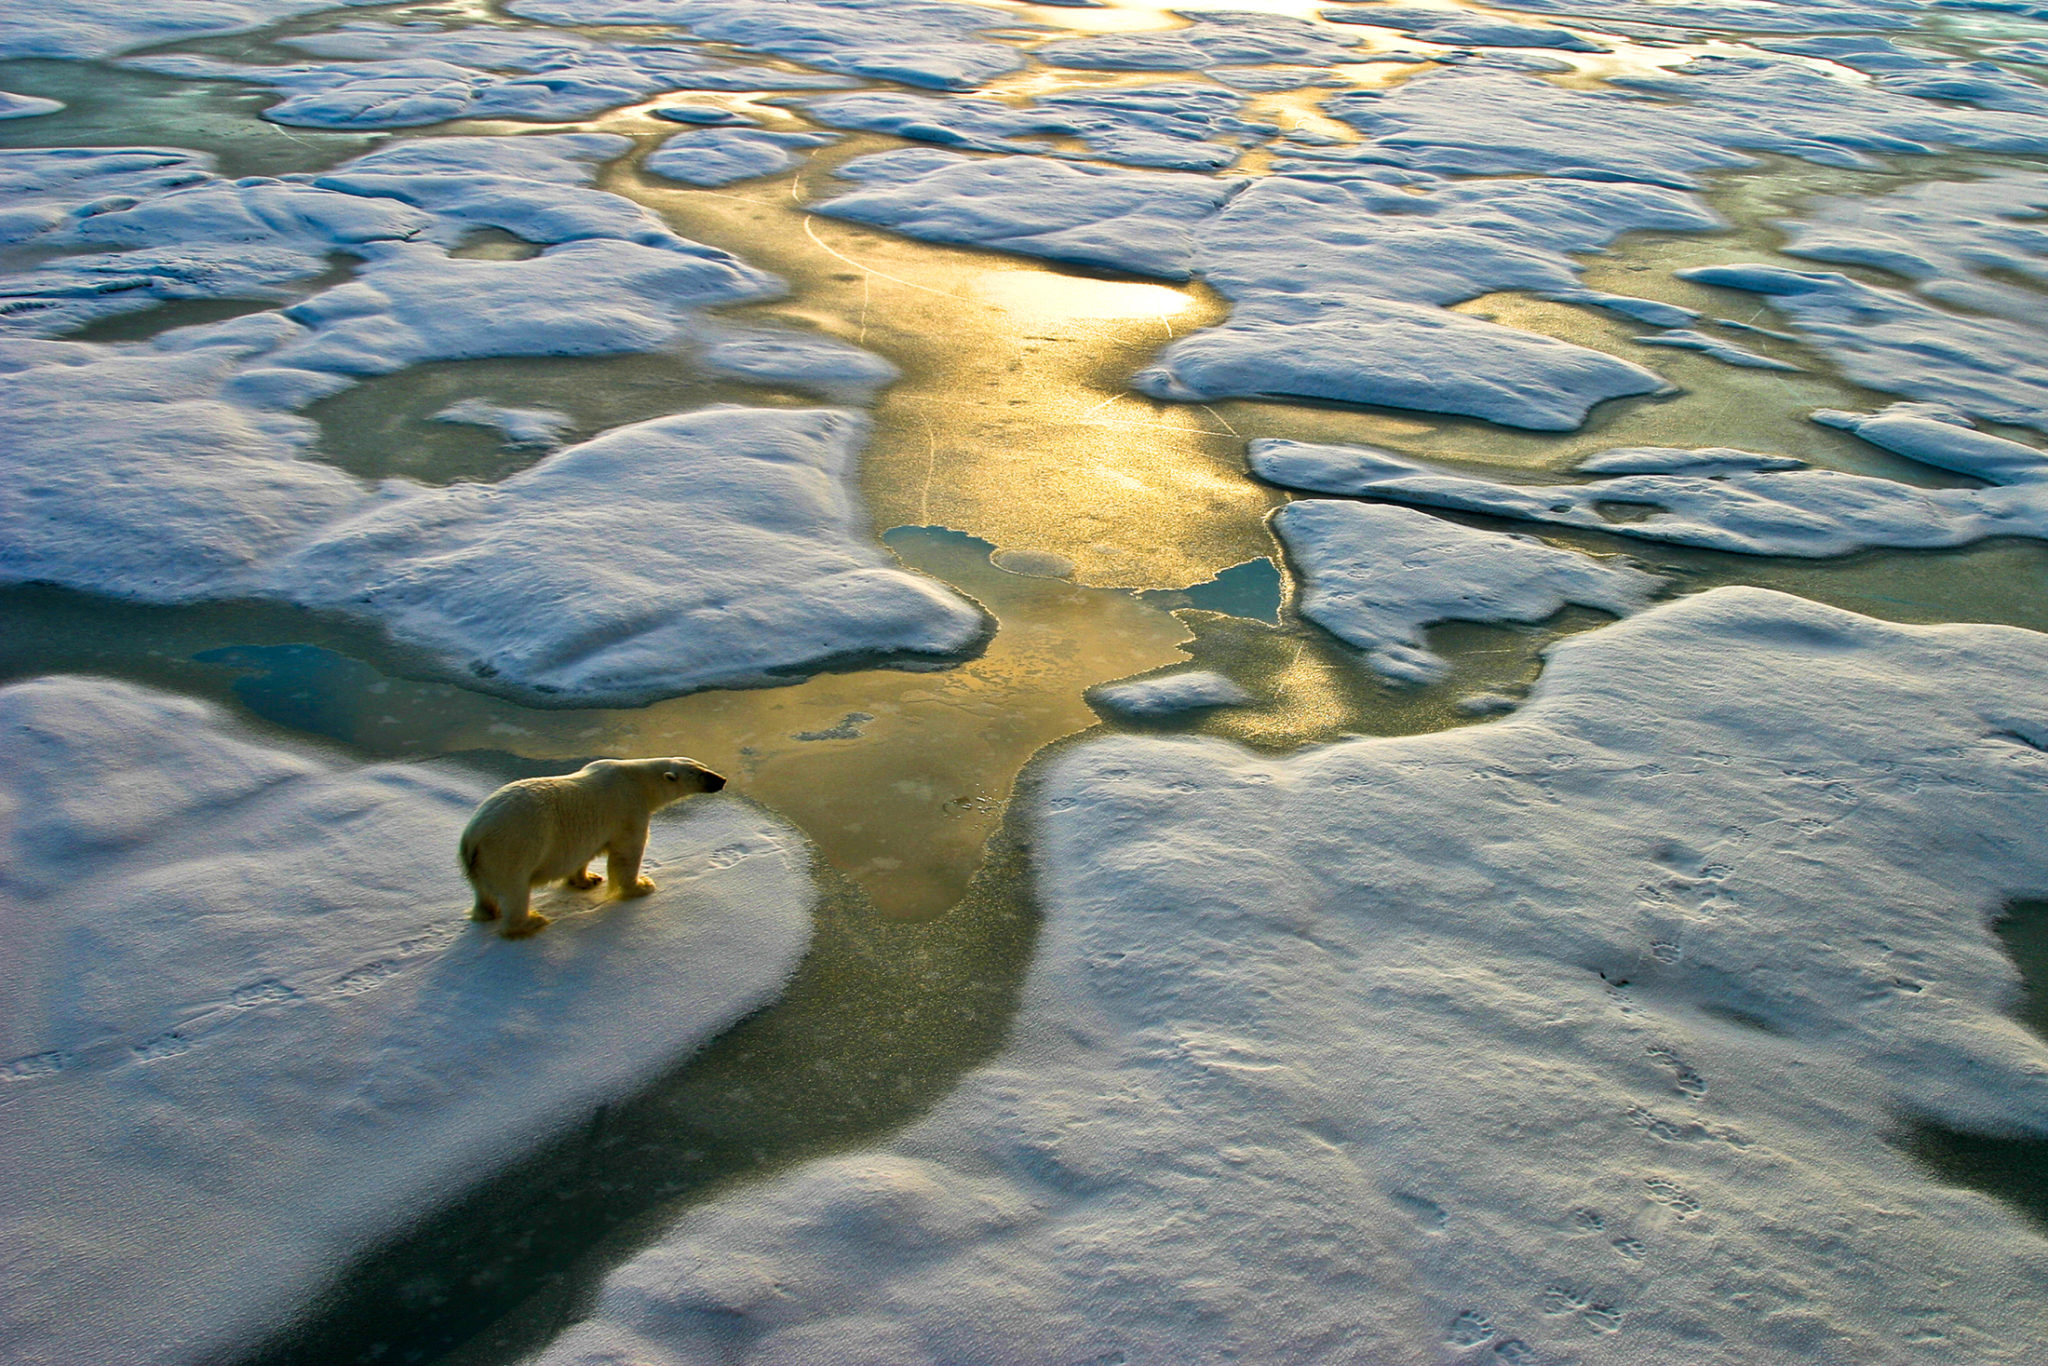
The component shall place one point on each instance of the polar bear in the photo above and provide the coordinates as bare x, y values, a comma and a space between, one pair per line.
543, 830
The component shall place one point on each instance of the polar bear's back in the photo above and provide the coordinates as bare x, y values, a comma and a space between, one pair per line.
549, 828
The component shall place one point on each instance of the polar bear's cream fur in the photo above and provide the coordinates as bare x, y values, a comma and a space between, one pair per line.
544, 830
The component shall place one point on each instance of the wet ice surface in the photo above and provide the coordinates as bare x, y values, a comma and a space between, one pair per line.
1399, 1049
249, 1031
1731, 839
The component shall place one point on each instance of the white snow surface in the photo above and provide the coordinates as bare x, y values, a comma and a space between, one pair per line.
1750, 504
13, 106
97, 28
1216, 38
1376, 576
1576, 1036
720, 156
1452, 27
1170, 694
917, 42
1706, 115
251, 1033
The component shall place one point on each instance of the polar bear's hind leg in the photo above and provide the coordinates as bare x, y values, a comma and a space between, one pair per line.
582, 879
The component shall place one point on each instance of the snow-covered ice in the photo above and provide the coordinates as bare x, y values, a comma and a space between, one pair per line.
1375, 576
720, 156
1453, 27
1170, 694
98, 28
13, 106
1720, 348
918, 42
1220, 38
1573, 1036
251, 1033
1720, 499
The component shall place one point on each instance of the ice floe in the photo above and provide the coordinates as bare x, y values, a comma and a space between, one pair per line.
1893, 341
435, 75
1722, 499
1706, 115
917, 42
98, 28
720, 156
1330, 279
1575, 1036
1452, 27
1211, 39
250, 1032
1182, 126
1375, 576
1170, 694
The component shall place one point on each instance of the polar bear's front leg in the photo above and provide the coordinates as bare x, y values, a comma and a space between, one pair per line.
622, 863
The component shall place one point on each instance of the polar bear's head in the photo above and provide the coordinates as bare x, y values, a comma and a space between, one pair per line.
666, 780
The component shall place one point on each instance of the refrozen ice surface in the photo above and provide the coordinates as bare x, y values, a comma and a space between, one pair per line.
720, 156
1720, 499
917, 42
1376, 576
518, 426
1706, 115
249, 1032
1574, 1036
97, 28
1170, 694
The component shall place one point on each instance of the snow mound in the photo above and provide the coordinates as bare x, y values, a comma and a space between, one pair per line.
1170, 695
518, 426
1720, 348
1573, 1036
917, 42
251, 1033
1090, 215
1374, 577
720, 156
13, 106
1752, 505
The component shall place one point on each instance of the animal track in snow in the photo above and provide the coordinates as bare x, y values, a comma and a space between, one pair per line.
35, 1065
1670, 1193
1469, 1329
1686, 1079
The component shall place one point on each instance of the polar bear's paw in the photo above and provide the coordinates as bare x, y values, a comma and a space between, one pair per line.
534, 923
641, 887
483, 910
582, 879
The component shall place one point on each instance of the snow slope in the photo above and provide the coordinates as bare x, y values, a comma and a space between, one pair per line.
1571, 1037
251, 1033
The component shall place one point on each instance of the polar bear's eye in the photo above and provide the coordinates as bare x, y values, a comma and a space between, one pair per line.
670, 775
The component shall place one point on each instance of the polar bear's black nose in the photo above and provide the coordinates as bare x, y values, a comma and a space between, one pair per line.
713, 782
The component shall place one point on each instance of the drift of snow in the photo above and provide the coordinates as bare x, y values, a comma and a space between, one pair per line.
1574, 1036
518, 426
1211, 39
1720, 499
1170, 694
251, 1034
1374, 577
1460, 28
97, 28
